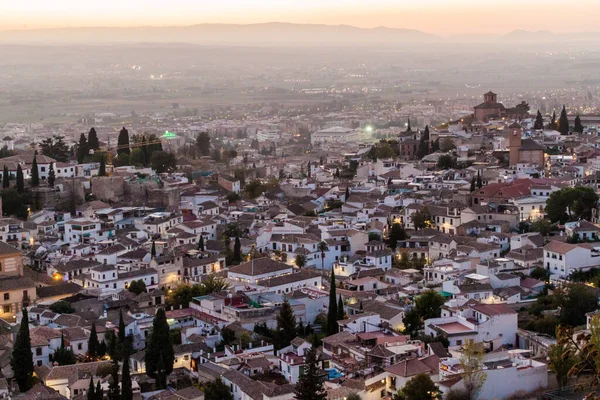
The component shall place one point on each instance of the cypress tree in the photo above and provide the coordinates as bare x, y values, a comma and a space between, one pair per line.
21, 359
91, 393
578, 127
201, 243
346, 194
332, 326
153, 250
5, 178
286, 325
479, 182
472, 189
340, 308
113, 390
159, 355
92, 142
539, 121
310, 383
51, 175
237, 250
102, 168
121, 327
35, 174
553, 124
99, 392
126, 388
64, 356
123, 142
20, 179
83, 149
563, 122
93, 344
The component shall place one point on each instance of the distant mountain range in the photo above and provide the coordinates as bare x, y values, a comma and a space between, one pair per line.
274, 33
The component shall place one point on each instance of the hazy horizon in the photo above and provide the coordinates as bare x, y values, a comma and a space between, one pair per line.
438, 17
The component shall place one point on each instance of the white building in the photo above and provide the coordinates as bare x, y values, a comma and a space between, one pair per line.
562, 258
336, 134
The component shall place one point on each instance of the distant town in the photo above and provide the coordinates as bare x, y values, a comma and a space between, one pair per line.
445, 249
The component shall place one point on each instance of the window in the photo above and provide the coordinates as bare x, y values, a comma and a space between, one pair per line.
38, 351
459, 342
6, 309
6, 296
79, 346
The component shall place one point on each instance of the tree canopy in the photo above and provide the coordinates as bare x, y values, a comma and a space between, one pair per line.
159, 355
571, 204
21, 359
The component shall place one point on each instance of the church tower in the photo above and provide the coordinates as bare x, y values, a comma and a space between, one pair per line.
514, 143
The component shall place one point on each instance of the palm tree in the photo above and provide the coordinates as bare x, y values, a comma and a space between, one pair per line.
322, 247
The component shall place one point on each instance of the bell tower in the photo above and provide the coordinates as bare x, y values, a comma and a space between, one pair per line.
514, 143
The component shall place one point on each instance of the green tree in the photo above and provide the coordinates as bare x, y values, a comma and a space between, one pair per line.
286, 325
540, 273
254, 188
99, 393
539, 121
35, 173
159, 351
14, 203
563, 122
217, 390
21, 359
123, 142
126, 387
419, 387
91, 392
571, 204
446, 161
472, 188
203, 143
300, 261
63, 355
114, 393
323, 248
56, 148
332, 326
421, 218
102, 168
153, 250
553, 125
397, 233
237, 250
578, 127
201, 243
92, 142
447, 144
340, 309
83, 149
310, 383
471, 362
428, 304
541, 225
412, 323
353, 396
93, 344
62, 307
137, 287
20, 180
5, 178
479, 181
51, 175
138, 157
161, 162
574, 301
562, 355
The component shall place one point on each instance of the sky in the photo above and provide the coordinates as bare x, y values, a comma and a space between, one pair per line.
441, 17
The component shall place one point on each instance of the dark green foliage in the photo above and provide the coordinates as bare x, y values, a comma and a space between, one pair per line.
5, 178
91, 393
340, 309
35, 173
114, 393
217, 390
553, 122
419, 387
322, 247
20, 180
82, 149
539, 273
541, 225
571, 204
201, 243
428, 304
578, 127
254, 188
310, 384
286, 325
21, 359
421, 219
332, 326
574, 302
159, 351
93, 344
54, 147
102, 168
397, 233
123, 142
374, 236
126, 388
99, 393
539, 121
446, 161
237, 251
137, 287
203, 143
92, 142
121, 332
472, 188
383, 149
51, 175
347, 194
563, 122
62, 307
479, 182
62, 355
183, 295
153, 250
163, 162
15, 203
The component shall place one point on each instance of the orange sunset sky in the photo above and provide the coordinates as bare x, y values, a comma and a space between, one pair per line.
441, 17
